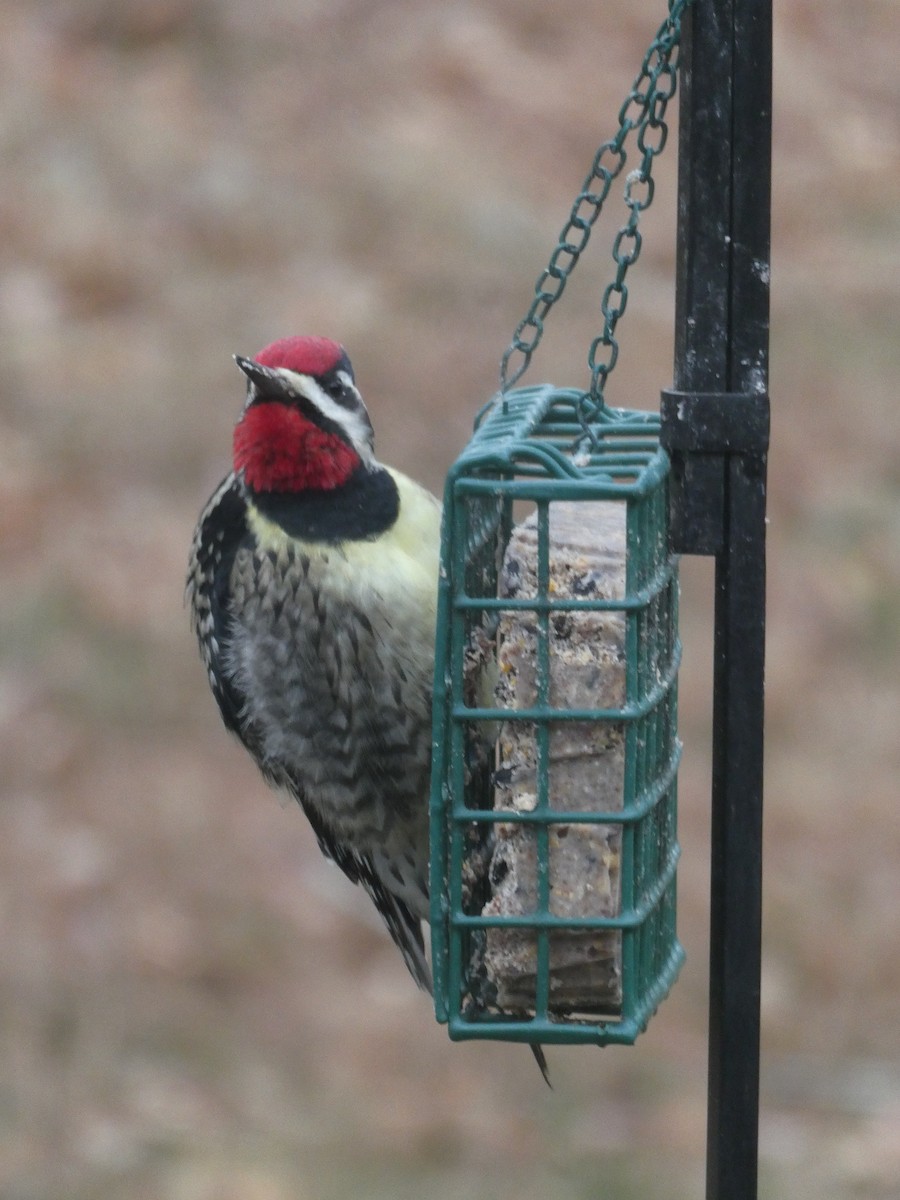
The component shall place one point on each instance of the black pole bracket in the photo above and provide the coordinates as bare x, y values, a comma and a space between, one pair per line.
700, 430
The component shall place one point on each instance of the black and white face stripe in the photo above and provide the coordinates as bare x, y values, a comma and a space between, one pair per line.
332, 401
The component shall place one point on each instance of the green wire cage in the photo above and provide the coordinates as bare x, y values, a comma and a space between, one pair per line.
553, 801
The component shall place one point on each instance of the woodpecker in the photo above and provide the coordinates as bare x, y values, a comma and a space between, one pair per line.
312, 586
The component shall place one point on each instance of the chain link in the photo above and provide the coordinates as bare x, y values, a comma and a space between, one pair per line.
644, 110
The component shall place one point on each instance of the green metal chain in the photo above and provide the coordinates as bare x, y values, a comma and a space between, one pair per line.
644, 110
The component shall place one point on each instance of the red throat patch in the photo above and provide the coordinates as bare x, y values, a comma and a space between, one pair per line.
280, 450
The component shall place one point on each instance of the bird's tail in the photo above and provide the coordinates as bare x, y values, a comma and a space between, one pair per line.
541, 1060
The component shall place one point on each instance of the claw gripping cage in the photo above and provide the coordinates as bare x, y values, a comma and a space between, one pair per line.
553, 800
554, 797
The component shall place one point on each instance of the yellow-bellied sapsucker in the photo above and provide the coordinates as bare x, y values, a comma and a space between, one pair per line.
313, 588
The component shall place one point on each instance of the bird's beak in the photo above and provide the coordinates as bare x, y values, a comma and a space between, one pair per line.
254, 372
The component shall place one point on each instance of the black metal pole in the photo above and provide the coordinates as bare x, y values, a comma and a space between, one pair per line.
715, 424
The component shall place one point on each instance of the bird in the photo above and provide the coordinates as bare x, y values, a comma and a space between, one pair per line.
312, 588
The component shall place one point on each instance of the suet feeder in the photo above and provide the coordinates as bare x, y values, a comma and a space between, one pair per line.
553, 805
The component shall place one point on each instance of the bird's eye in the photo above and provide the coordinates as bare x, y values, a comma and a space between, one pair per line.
339, 387
341, 393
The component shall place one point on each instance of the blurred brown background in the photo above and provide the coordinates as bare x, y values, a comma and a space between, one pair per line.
193, 1005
